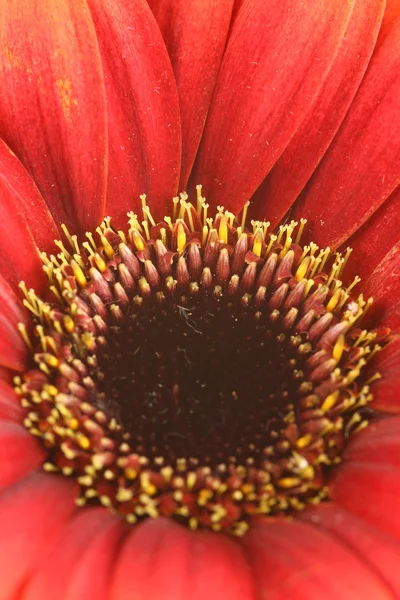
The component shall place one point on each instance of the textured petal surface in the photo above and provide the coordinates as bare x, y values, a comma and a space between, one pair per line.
384, 286
362, 167
17, 186
79, 568
32, 515
375, 238
367, 483
10, 407
195, 35
20, 453
160, 559
387, 389
297, 560
52, 105
13, 351
379, 551
143, 108
308, 145
276, 59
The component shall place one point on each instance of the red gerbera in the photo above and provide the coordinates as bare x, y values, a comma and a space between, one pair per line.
290, 106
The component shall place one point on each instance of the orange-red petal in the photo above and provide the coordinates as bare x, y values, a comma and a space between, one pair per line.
276, 59
143, 109
52, 105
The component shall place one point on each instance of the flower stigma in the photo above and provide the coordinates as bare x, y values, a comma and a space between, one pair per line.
199, 368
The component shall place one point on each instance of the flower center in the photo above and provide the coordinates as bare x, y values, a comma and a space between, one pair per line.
195, 368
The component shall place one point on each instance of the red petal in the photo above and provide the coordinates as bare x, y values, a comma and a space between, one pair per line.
387, 390
375, 238
143, 108
378, 443
379, 551
20, 453
16, 186
195, 35
296, 560
32, 514
383, 285
369, 491
13, 351
10, 408
52, 105
80, 566
362, 166
164, 560
276, 59
310, 142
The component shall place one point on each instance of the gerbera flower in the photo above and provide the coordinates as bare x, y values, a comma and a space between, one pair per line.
199, 369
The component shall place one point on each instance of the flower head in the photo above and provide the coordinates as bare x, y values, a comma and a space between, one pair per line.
211, 364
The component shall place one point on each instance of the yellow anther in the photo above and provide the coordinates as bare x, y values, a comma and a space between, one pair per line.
244, 214
78, 274
303, 268
82, 441
24, 334
258, 239
180, 237
334, 301
100, 263
288, 482
304, 441
330, 401
223, 230
138, 241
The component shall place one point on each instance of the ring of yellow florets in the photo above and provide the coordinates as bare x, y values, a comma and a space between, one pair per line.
187, 255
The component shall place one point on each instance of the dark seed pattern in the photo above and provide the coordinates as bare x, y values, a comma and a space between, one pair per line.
196, 368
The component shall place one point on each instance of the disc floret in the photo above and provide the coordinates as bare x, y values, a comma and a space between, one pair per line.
196, 368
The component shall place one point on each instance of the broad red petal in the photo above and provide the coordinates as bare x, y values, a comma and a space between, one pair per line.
20, 453
81, 565
297, 560
379, 551
161, 559
375, 238
301, 157
143, 109
10, 407
277, 57
13, 350
383, 285
387, 390
195, 34
32, 515
367, 483
362, 166
52, 105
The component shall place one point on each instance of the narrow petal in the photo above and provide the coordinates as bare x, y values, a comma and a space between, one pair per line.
297, 560
277, 57
195, 35
32, 515
52, 106
161, 559
386, 390
383, 285
80, 566
13, 350
362, 166
301, 157
20, 453
372, 241
142, 104
379, 551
